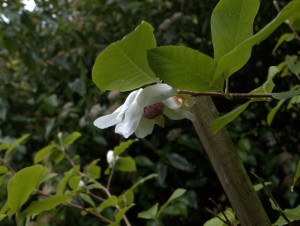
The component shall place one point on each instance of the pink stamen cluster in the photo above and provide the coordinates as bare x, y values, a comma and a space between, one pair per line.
153, 110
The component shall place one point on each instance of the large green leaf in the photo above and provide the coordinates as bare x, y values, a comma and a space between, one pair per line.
297, 175
123, 65
21, 186
230, 63
184, 68
217, 222
231, 24
49, 203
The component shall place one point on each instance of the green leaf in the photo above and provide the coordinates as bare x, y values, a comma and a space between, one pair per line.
63, 182
120, 213
70, 139
126, 199
74, 182
42, 153
3, 169
259, 186
16, 143
111, 201
126, 164
230, 63
37, 207
297, 175
118, 150
4, 146
292, 215
273, 112
286, 95
22, 184
287, 37
141, 181
87, 199
2, 216
184, 68
123, 65
293, 64
150, 213
217, 222
179, 162
176, 194
143, 161
93, 170
231, 24
229, 117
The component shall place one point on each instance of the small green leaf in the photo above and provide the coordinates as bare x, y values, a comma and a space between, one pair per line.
70, 139
37, 207
126, 199
184, 68
123, 65
4, 146
111, 201
42, 153
273, 112
120, 213
179, 162
87, 199
297, 175
229, 117
217, 222
176, 194
74, 182
143, 161
287, 37
118, 150
63, 182
258, 187
2, 216
141, 181
22, 184
150, 213
3, 169
286, 95
93, 170
16, 143
126, 164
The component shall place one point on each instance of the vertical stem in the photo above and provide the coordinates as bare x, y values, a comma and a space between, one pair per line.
228, 167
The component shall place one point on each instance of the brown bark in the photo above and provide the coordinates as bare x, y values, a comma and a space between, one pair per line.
228, 167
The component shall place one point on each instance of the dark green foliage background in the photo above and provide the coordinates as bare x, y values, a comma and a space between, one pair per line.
46, 57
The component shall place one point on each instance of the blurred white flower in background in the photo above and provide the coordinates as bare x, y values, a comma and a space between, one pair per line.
111, 160
144, 108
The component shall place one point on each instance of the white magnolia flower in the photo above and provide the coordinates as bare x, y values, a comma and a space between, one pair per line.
111, 160
143, 109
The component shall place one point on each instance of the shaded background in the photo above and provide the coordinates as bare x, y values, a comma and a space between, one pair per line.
46, 58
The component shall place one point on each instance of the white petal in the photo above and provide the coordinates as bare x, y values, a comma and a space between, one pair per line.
108, 120
176, 114
171, 103
131, 97
154, 94
145, 128
131, 120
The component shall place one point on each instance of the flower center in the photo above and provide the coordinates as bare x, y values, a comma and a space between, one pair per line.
153, 110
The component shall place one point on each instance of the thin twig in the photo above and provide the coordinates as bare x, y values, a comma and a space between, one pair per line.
220, 209
261, 180
216, 215
228, 95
